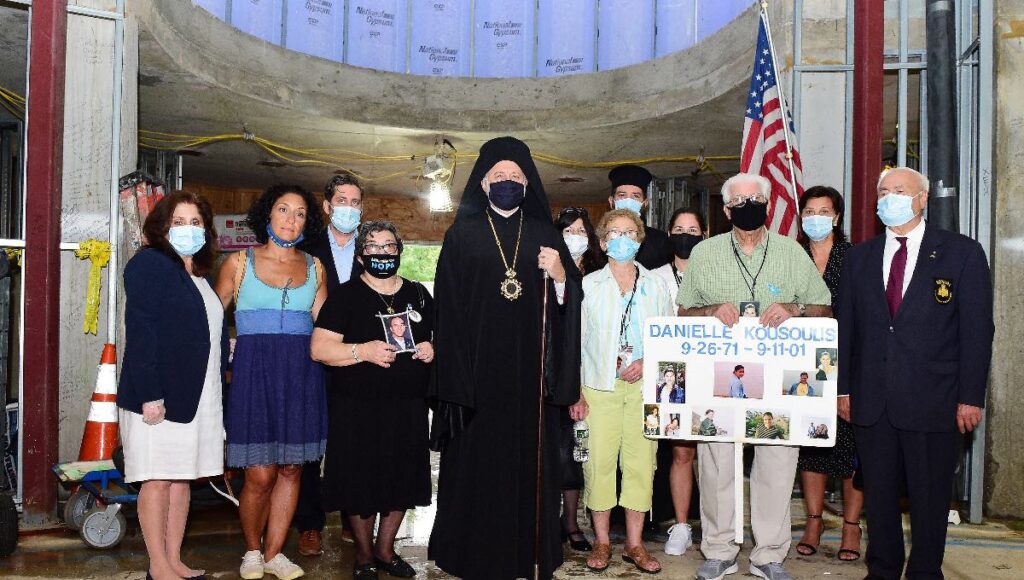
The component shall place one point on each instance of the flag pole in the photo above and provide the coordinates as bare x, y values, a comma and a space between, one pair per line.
782, 96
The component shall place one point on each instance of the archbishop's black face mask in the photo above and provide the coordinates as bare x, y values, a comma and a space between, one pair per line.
507, 195
682, 244
381, 265
750, 216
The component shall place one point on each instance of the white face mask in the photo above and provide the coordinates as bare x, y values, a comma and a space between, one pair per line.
577, 244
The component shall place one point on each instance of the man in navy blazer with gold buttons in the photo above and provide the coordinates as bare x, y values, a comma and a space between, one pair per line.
915, 344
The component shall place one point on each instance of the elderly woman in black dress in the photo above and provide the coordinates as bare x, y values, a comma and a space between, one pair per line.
821, 222
377, 459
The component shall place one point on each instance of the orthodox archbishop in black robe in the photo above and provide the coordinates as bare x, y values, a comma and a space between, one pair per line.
487, 382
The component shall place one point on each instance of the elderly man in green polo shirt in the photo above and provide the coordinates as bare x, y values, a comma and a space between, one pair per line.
749, 264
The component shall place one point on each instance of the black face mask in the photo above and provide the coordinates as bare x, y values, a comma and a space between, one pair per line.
682, 244
750, 216
507, 195
381, 265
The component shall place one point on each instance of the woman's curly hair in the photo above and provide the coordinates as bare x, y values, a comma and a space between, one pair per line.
259, 213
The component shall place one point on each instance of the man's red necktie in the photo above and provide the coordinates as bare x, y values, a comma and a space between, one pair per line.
894, 288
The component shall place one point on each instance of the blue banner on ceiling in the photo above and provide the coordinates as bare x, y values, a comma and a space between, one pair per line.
376, 34
628, 33
566, 30
316, 27
503, 39
260, 18
440, 37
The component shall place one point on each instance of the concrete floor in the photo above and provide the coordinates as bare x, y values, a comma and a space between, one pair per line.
214, 542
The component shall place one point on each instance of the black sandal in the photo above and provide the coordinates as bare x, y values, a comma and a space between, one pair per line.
811, 550
580, 545
854, 553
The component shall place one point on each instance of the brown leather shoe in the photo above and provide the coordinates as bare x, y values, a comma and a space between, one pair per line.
599, 556
310, 543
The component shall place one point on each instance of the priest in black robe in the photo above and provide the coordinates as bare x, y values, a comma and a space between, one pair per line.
629, 191
487, 385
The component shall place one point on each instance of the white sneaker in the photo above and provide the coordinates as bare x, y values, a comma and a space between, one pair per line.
283, 568
680, 538
252, 565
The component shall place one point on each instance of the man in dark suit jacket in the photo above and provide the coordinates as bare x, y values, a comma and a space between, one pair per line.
335, 248
915, 343
629, 191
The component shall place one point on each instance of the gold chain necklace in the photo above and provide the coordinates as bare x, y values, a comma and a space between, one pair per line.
390, 307
511, 287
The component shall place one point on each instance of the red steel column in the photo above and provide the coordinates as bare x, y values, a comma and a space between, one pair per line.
868, 26
43, 178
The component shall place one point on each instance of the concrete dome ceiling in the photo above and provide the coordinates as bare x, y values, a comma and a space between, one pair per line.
200, 76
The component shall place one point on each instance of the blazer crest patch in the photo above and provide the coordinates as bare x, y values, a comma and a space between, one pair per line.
943, 291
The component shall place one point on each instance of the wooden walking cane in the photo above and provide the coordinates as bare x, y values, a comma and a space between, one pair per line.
540, 429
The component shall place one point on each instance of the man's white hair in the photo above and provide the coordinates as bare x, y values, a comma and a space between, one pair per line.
922, 179
762, 183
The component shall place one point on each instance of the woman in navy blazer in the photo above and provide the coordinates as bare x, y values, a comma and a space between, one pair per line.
171, 416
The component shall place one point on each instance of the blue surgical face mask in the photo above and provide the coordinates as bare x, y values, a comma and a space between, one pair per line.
817, 227
622, 249
186, 240
345, 218
282, 242
630, 204
895, 209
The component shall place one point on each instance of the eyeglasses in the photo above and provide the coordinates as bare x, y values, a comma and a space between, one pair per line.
739, 201
388, 248
631, 234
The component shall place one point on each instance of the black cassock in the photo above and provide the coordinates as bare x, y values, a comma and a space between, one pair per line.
487, 366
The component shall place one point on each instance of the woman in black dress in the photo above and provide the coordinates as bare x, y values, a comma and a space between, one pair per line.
821, 219
579, 236
377, 459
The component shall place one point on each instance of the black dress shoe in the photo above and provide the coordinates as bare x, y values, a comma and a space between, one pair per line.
397, 567
581, 544
364, 572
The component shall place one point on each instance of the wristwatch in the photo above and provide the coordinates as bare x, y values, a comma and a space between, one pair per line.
802, 308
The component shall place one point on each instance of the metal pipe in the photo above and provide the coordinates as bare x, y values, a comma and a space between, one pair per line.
115, 174
943, 165
869, 22
901, 85
782, 99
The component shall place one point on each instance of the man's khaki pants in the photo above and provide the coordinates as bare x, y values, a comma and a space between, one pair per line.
771, 487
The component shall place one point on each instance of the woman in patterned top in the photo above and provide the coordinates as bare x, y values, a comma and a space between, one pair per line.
821, 221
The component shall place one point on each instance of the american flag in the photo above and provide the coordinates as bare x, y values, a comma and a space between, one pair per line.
764, 140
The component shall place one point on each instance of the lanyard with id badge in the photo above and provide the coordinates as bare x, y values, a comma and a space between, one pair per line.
625, 356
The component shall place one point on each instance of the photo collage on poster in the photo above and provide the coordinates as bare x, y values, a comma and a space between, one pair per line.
707, 382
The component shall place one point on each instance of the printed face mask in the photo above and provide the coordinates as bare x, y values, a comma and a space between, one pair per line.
622, 249
507, 195
281, 241
381, 265
186, 240
817, 227
345, 218
577, 244
630, 204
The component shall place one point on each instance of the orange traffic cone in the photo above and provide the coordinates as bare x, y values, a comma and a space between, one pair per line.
100, 436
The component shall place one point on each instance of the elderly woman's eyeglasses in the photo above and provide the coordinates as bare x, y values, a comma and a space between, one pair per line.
631, 234
740, 201
388, 248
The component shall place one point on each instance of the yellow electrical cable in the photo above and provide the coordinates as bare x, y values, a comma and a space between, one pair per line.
98, 254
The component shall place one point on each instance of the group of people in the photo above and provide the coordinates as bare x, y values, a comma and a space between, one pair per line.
338, 358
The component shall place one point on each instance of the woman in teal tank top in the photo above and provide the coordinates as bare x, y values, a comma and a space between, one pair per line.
276, 417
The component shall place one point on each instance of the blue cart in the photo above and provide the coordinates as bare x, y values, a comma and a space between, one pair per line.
95, 507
